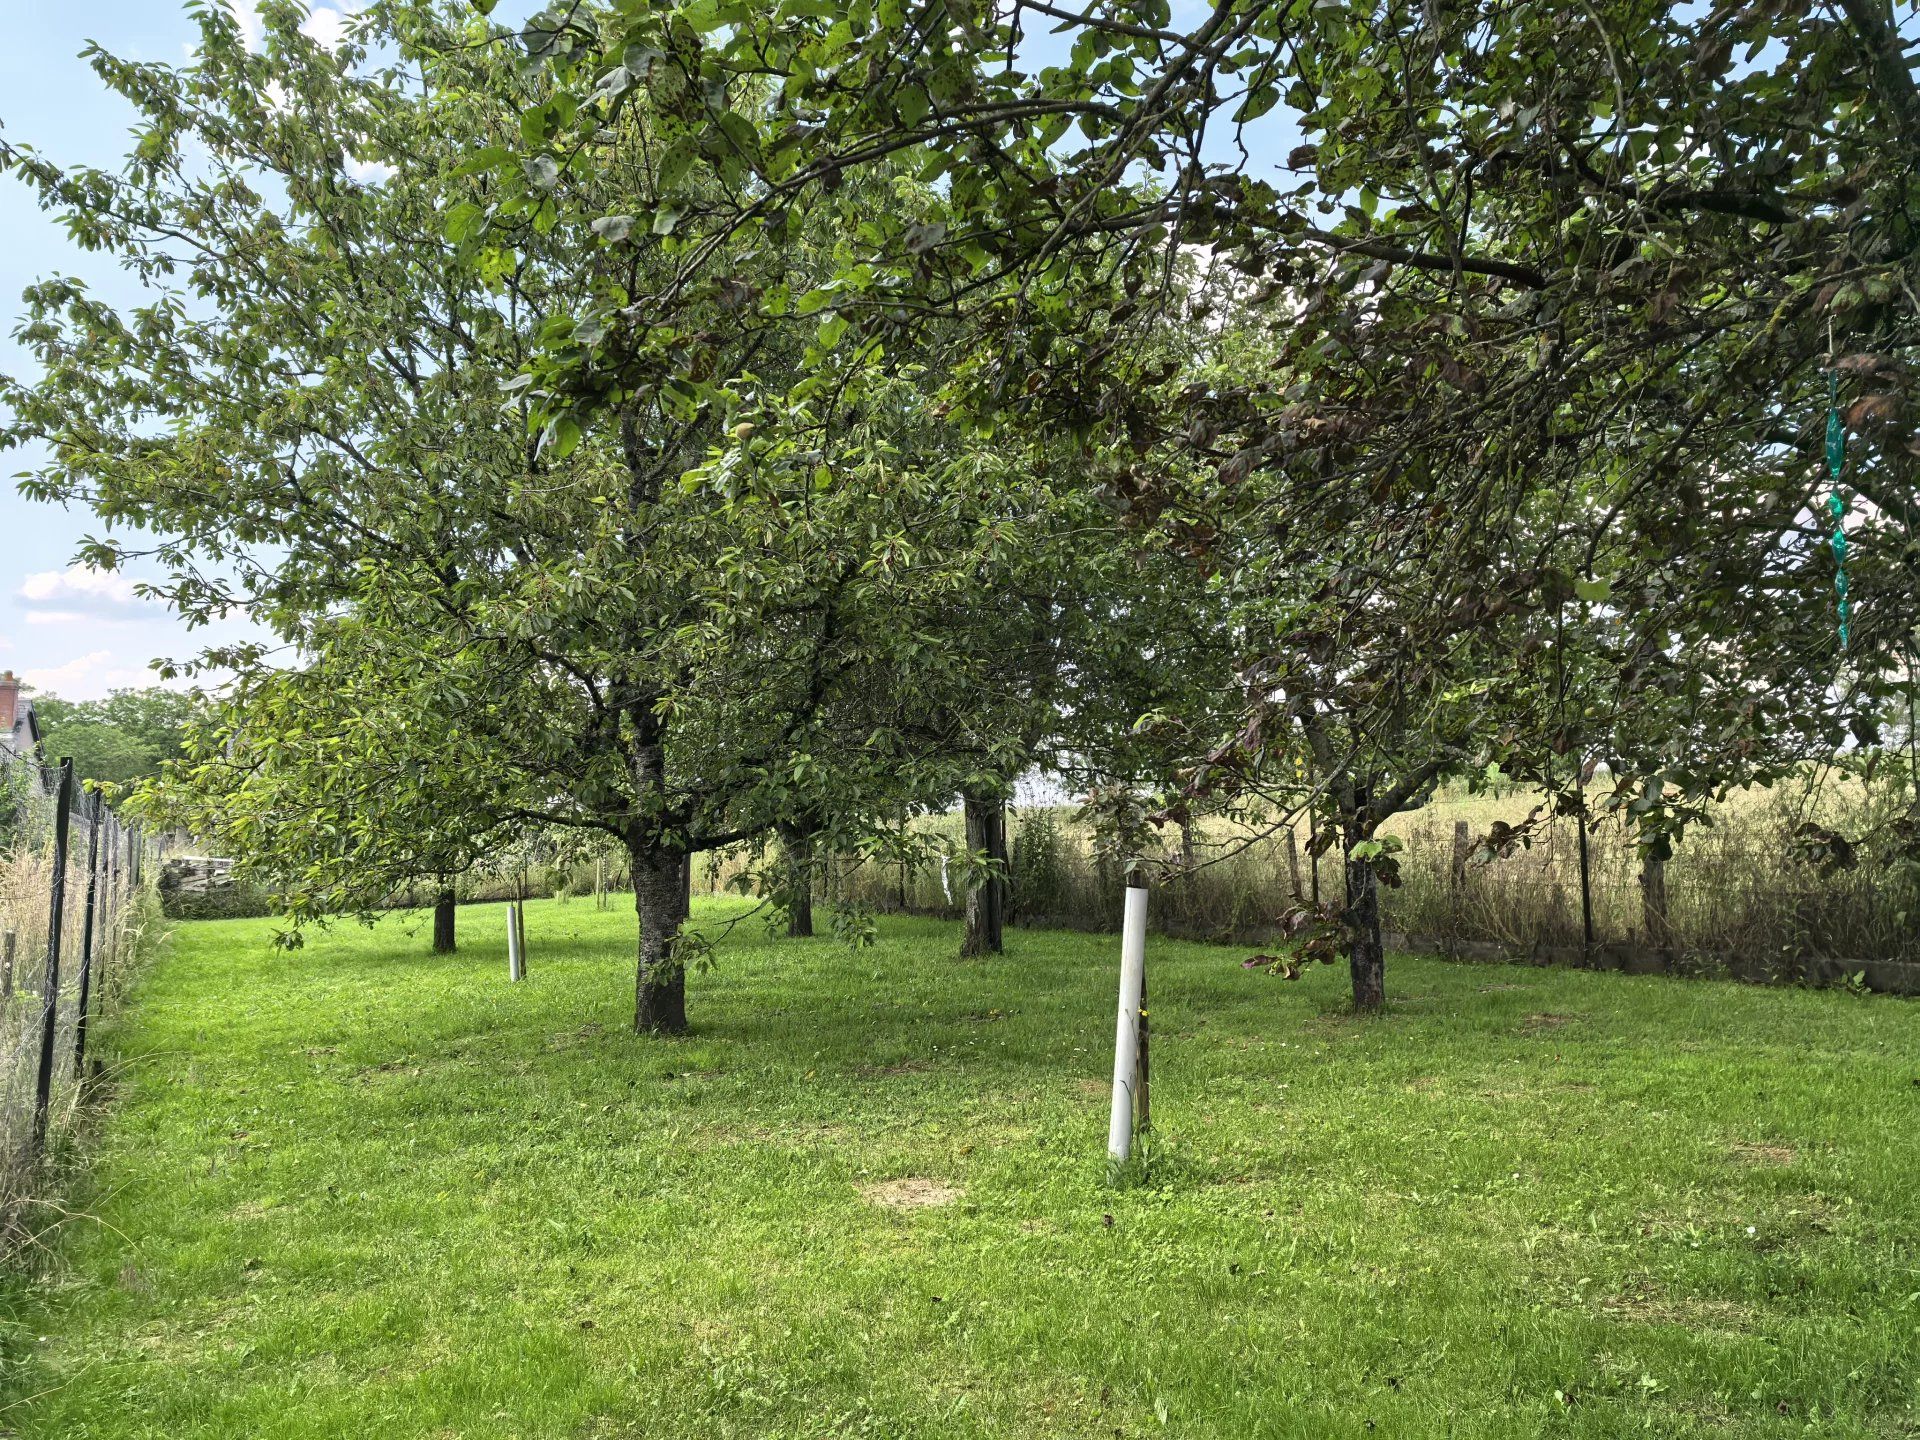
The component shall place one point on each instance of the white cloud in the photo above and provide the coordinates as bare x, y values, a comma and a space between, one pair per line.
78, 594
325, 24
251, 31
328, 27
92, 676
369, 172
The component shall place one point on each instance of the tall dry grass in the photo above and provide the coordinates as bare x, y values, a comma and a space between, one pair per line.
126, 922
1735, 888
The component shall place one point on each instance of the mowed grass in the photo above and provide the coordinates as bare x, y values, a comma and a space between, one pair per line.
360, 1191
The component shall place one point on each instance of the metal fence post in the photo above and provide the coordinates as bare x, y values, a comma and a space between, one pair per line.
50, 990
113, 874
86, 938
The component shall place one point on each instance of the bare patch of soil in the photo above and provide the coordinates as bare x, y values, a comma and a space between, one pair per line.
1753, 1153
904, 1067
1649, 1304
910, 1192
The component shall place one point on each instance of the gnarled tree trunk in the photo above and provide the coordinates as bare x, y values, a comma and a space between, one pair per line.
1367, 955
986, 911
660, 979
796, 856
443, 921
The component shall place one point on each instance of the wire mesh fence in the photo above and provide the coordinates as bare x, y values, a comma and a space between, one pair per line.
71, 881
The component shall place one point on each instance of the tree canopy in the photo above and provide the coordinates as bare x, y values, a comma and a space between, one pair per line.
1546, 318
718, 417
668, 621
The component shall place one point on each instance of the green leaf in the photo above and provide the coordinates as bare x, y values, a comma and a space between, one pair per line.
1258, 102
463, 222
563, 437
489, 157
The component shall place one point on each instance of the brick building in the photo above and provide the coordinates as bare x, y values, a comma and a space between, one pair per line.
19, 727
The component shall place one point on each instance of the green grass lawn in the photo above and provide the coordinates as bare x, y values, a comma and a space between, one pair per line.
360, 1191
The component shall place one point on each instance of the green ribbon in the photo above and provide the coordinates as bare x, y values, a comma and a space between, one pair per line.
1836, 503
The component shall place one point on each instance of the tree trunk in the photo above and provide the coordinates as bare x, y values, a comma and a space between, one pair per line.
443, 922
986, 911
660, 980
1367, 957
796, 856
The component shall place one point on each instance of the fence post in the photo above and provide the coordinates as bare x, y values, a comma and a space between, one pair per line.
86, 938
6, 965
50, 992
116, 875
1586, 880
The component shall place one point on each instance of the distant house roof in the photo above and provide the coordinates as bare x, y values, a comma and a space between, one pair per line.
19, 725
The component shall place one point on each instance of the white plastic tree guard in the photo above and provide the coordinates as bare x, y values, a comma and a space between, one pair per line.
1126, 1034
516, 944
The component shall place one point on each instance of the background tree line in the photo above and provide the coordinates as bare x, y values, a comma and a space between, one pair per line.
125, 738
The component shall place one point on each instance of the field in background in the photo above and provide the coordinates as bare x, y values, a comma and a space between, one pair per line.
1736, 890
361, 1191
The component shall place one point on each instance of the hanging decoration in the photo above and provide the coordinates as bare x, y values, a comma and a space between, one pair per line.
1836, 503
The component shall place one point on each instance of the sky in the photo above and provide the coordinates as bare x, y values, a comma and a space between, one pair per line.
68, 631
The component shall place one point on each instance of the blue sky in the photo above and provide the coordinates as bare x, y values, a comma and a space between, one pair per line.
74, 633
68, 631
